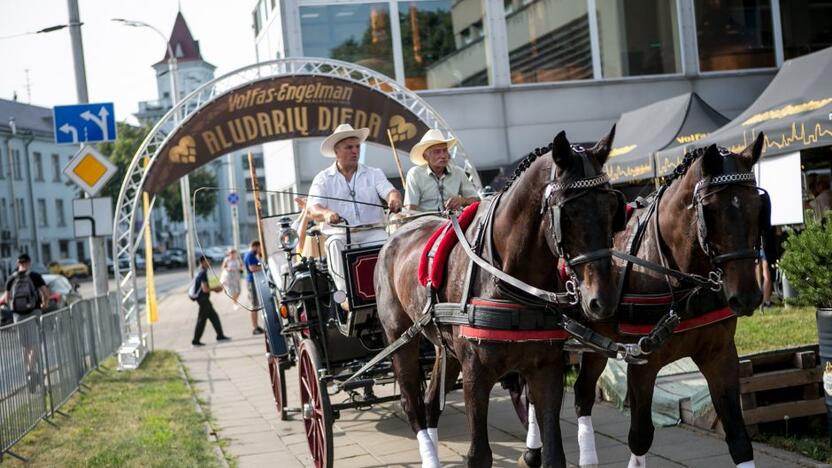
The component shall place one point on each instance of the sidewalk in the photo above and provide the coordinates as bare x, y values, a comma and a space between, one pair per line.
233, 381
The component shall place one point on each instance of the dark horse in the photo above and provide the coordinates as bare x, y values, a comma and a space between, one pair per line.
710, 218
526, 243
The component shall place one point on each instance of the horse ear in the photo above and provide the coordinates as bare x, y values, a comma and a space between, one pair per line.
711, 161
561, 150
753, 151
602, 149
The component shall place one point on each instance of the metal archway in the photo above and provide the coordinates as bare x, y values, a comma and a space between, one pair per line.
127, 230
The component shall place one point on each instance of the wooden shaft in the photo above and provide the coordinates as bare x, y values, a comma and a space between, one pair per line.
258, 208
396, 157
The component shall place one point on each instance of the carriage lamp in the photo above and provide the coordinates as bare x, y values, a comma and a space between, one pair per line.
339, 297
288, 236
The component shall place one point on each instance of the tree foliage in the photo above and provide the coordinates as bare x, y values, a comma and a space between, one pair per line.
807, 260
120, 153
206, 201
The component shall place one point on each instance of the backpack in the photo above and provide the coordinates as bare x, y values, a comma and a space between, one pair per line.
196, 289
24, 294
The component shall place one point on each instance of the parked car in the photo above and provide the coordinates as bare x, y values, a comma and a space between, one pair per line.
124, 263
176, 259
69, 267
216, 253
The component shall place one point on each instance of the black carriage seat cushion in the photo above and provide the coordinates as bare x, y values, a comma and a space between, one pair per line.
432, 267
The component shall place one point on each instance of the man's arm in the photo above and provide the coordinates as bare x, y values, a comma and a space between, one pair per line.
394, 201
412, 194
44, 296
323, 215
467, 195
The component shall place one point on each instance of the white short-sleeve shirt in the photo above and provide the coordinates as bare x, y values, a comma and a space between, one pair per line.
368, 185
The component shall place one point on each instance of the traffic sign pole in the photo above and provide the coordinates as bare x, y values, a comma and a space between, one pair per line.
235, 210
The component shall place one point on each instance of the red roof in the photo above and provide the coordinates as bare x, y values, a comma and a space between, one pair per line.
182, 42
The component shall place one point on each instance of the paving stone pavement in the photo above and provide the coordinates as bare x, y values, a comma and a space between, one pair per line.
232, 379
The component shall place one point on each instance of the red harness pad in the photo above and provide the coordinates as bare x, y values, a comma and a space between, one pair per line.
435, 272
685, 325
488, 334
509, 335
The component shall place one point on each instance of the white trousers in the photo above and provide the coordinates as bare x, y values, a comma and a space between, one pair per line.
336, 243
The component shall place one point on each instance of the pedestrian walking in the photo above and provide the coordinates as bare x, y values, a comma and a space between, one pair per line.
232, 268
251, 260
202, 296
27, 295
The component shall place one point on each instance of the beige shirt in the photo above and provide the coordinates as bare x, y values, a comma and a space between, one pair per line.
430, 193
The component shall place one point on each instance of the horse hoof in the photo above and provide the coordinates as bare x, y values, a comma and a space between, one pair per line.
530, 459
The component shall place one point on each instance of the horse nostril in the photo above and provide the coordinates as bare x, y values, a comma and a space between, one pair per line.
595, 306
735, 303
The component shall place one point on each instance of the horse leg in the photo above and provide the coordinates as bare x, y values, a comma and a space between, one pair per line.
592, 365
546, 388
477, 381
721, 370
433, 403
640, 382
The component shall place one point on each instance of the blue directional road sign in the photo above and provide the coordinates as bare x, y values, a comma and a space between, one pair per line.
233, 198
84, 123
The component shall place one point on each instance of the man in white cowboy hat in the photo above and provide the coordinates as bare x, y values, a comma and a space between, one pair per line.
435, 184
354, 193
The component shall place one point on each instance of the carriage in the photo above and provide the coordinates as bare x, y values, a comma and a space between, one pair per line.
327, 334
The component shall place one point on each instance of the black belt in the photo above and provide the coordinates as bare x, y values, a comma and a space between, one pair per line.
498, 318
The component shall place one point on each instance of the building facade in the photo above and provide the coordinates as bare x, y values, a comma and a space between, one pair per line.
192, 72
35, 195
507, 75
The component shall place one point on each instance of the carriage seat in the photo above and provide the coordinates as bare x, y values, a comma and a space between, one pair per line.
435, 254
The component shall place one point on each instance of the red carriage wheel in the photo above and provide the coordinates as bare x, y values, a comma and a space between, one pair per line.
278, 381
315, 407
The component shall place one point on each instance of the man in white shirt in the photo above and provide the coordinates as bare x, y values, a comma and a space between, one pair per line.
353, 194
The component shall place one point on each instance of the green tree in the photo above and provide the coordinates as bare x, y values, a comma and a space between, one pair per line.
206, 200
120, 153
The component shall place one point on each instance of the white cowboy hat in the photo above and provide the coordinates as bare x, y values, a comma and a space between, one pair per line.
342, 132
432, 137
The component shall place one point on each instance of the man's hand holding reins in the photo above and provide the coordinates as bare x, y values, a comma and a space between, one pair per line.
394, 201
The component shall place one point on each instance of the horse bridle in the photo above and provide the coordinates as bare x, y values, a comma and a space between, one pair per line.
581, 187
701, 192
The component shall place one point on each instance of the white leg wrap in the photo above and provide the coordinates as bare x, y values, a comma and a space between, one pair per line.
533, 440
748, 464
586, 442
434, 436
427, 450
637, 461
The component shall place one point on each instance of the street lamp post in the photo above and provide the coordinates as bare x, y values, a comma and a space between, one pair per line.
184, 182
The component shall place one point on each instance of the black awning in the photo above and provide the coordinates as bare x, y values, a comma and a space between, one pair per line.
640, 133
794, 112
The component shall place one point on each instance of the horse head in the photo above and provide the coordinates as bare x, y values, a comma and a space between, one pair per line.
729, 215
583, 212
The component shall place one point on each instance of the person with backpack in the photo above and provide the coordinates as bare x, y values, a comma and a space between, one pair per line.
201, 293
26, 291
27, 296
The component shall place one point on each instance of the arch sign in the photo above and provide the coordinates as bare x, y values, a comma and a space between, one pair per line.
278, 100
278, 109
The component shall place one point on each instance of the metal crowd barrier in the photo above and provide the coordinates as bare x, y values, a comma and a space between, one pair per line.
43, 361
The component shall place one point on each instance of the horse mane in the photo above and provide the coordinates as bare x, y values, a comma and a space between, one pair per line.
682, 168
525, 164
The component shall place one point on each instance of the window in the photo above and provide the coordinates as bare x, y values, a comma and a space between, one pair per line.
16, 169
4, 213
21, 213
548, 40
261, 183
41, 213
59, 212
357, 33
638, 37
38, 162
80, 250
433, 58
250, 209
63, 248
3, 163
734, 34
807, 26
46, 250
56, 168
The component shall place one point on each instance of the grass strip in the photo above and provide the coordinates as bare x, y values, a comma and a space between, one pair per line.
776, 328
141, 418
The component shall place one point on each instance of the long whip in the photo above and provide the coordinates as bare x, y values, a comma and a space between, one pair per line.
396, 156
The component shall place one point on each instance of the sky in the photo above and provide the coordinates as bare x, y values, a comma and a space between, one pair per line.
118, 58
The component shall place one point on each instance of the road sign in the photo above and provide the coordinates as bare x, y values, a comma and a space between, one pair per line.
84, 123
90, 170
233, 198
92, 217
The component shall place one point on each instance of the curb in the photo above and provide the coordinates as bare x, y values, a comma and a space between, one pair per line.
210, 432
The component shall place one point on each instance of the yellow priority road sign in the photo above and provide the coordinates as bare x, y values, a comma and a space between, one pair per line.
90, 170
